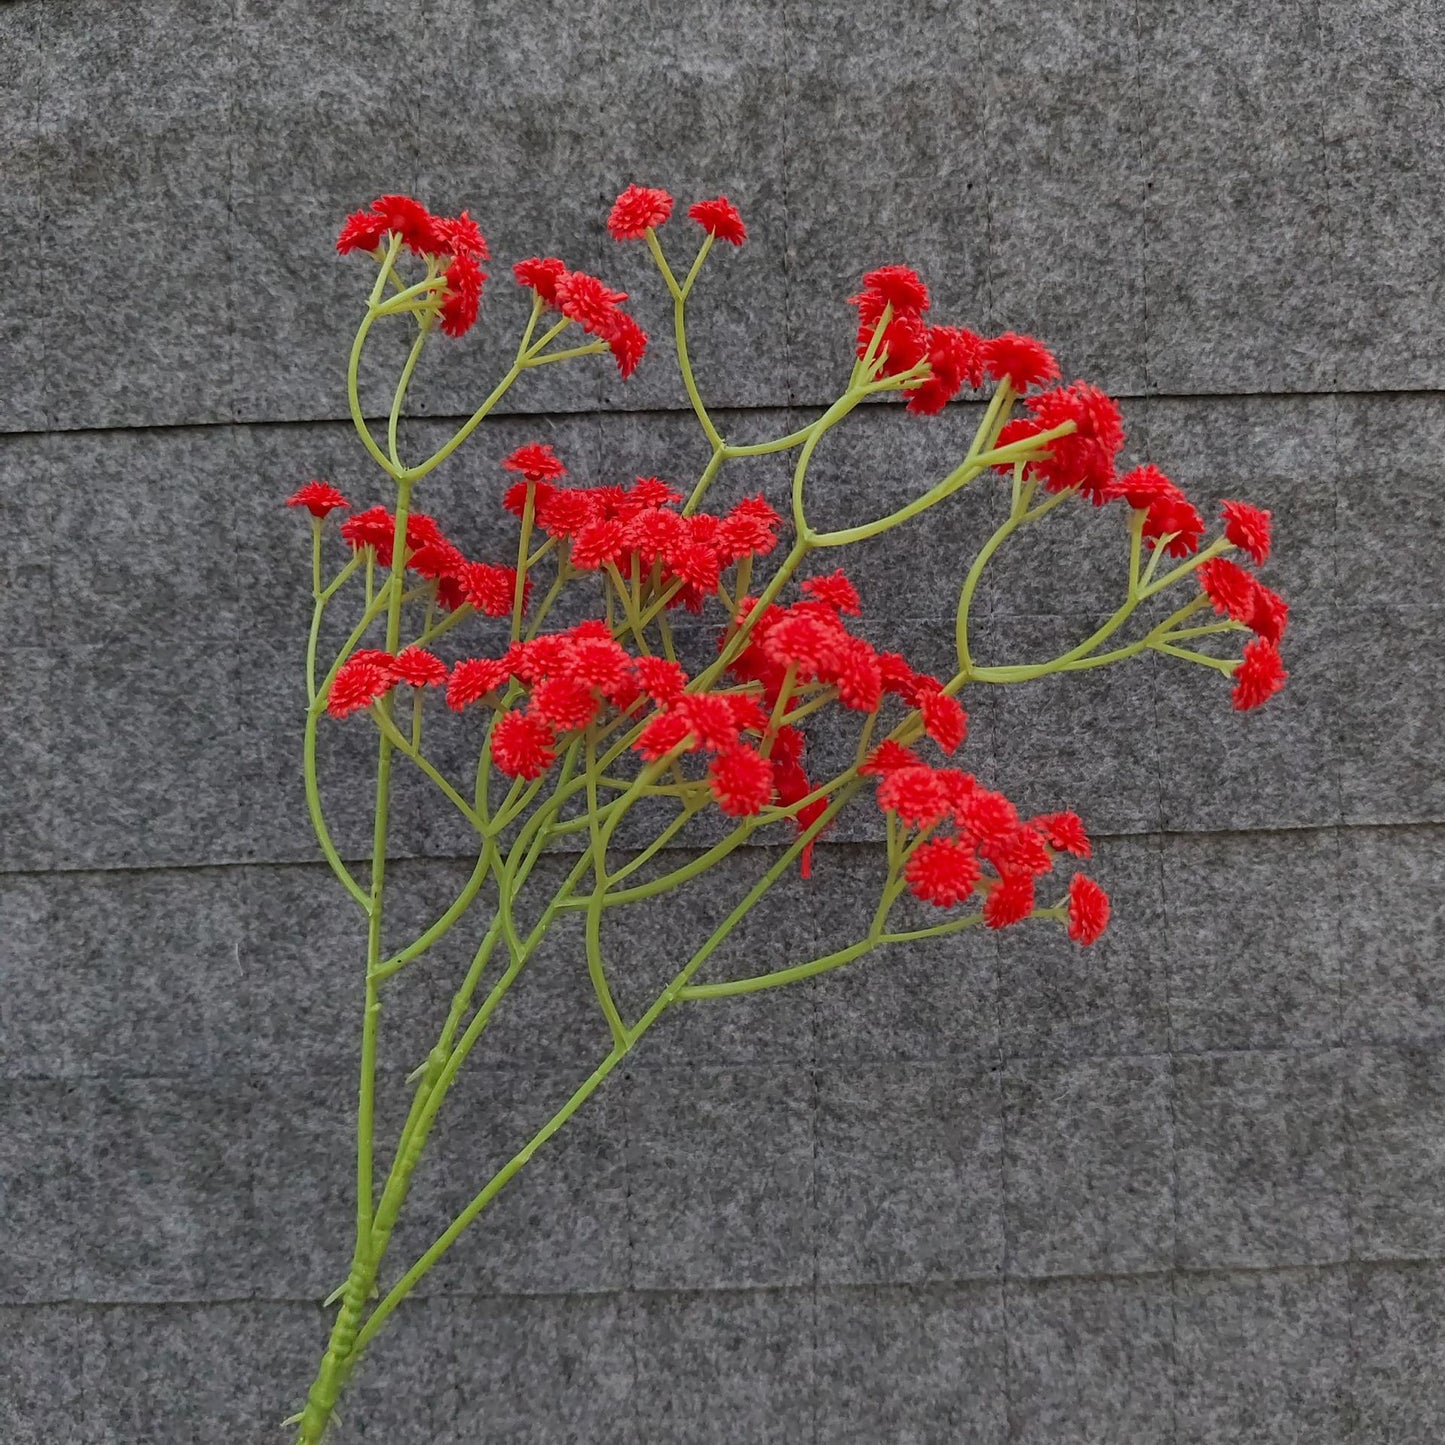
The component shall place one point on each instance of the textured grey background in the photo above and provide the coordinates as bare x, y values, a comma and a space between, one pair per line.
1188, 1187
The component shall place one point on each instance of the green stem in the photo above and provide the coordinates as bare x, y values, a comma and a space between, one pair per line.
413, 356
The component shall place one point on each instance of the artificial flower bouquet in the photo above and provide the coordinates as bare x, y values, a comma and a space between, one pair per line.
577, 727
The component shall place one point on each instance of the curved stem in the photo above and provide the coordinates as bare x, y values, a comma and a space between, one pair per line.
413, 356
443, 925
353, 365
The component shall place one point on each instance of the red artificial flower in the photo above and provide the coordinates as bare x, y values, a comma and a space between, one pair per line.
697, 564
436, 560
535, 462
663, 733
854, 671
710, 717
836, 591
416, 667
750, 529
986, 816
541, 274
358, 683
319, 498
1248, 528
1083, 458
463, 295
900, 287
1168, 512
802, 641
653, 492
904, 345
490, 589
943, 871
361, 231
627, 342
887, 758
660, 678
1064, 831
559, 513
1143, 487
1259, 674
375, 527
473, 678
596, 662
793, 786
522, 745
748, 713
416, 225
955, 359
1088, 910
917, 795
898, 677
1010, 901
1270, 615
721, 218
461, 236
944, 719
637, 211
1023, 851
741, 780
596, 544
1020, 360
1174, 517
563, 703
366, 230
1229, 587
585, 300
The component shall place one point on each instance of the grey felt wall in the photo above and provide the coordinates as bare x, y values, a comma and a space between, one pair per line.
1187, 1187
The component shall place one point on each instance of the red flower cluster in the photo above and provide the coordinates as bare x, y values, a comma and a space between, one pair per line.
369, 674
570, 678
956, 356
487, 587
984, 832
640, 209
609, 526
584, 299
456, 239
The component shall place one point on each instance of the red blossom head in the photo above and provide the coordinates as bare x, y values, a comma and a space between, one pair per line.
900, 287
416, 667
357, 684
1084, 457
523, 746
1021, 361
535, 462
1229, 587
1248, 528
836, 591
720, 218
463, 294
638, 210
319, 498
541, 274
475, 678
1010, 901
1088, 910
1259, 674
741, 780
587, 301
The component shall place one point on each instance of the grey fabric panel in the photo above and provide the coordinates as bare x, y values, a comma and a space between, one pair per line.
1183, 1185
